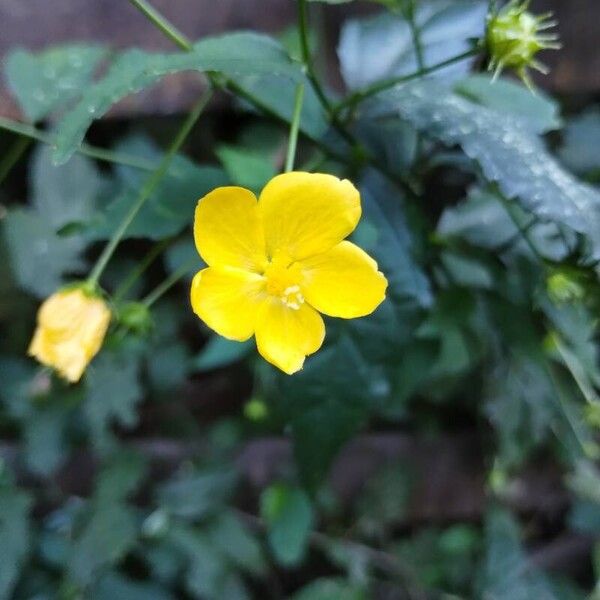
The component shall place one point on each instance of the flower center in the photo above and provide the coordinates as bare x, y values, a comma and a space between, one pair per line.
282, 282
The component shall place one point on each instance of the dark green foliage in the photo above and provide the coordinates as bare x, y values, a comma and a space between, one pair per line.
184, 466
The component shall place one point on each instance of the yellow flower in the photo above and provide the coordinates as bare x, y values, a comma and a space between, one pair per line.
276, 263
71, 326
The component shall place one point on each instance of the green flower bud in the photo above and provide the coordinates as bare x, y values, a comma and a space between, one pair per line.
564, 288
514, 36
136, 317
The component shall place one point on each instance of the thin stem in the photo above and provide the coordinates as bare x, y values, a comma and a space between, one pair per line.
306, 58
168, 283
150, 257
294, 127
416, 38
102, 154
165, 26
148, 187
12, 157
386, 84
524, 232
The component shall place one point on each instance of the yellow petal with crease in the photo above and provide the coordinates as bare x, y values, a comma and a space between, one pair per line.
227, 300
343, 282
228, 229
285, 336
307, 213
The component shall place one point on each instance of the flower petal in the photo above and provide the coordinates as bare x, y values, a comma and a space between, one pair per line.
343, 282
307, 213
227, 300
285, 336
228, 230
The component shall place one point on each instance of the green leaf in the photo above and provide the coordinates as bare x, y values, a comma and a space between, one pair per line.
196, 494
505, 573
14, 536
168, 210
107, 535
506, 152
44, 437
288, 515
221, 352
326, 404
66, 194
382, 46
240, 53
581, 139
47, 80
246, 167
392, 242
237, 543
277, 94
208, 574
536, 112
115, 586
331, 589
39, 258
120, 477
112, 392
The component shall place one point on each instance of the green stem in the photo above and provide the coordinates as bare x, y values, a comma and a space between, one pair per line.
416, 38
150, 257
12, 156
33, 133
306, 58
376, 88
165, 26
148, 187
168, 283
294, 127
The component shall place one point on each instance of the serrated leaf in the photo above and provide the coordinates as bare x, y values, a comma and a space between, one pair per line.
331, 589
246, 167
288, 515
277, 94
115, 586
326, 404
536, 112
65, 194
45, 81
507, 154
505, 574
379, 47
197, 494
112, 394
581, 139
39, 258
120, 477
14, 536
237, 543
392, 242
44, 438
108, 533
240, 53
168, 210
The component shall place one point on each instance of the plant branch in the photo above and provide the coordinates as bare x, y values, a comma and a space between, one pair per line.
165, 26
148, 187
294, 127
380, 86
169, 282
102, 154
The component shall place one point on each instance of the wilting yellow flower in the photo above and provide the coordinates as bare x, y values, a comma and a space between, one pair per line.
71, 326
276, 263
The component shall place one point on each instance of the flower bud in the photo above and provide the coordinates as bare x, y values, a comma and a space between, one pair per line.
564, 288
514, 36
71, 325
136, 317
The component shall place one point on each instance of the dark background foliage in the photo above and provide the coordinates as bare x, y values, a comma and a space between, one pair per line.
444, 447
